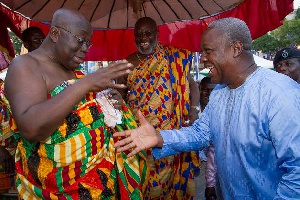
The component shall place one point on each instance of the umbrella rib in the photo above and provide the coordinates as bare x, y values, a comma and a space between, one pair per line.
218, 4
186, 9
171, 9
112, 7
200, 4
127, 23
81, 4
99, 1
63, 3
40, 9
156, 11
23, 4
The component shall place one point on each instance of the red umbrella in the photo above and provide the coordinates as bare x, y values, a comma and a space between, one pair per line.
112, 44
122, 14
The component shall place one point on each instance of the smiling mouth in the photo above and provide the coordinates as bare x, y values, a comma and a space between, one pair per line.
145, 45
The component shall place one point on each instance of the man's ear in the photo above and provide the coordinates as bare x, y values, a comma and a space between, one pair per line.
238, 48
54, 33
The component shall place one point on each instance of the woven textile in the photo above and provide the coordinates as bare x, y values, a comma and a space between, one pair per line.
78, 161
159, 87
6, 139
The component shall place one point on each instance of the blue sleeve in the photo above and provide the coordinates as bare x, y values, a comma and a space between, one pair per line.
192, 138
285, 135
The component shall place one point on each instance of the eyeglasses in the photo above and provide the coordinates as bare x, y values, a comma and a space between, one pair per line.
81, 40
146, 34
38, 41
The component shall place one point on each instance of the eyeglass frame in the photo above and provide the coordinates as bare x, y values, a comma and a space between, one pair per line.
80, 40
146, 33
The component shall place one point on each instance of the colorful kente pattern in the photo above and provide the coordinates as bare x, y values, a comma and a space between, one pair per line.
6, 136
6, 140
78, 161
159, 87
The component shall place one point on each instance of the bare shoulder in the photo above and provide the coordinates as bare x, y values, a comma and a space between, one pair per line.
22, 63
23, 69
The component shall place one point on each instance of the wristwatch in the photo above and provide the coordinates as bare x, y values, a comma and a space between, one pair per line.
196, 107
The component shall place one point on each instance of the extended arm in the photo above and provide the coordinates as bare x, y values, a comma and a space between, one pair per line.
191, 138
36, 116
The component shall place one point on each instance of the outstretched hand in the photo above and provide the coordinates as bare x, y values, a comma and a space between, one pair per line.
141, 138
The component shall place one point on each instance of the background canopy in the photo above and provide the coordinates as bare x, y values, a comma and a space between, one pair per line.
181, 22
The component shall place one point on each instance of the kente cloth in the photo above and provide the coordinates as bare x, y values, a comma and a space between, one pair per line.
159, 88
255, 130
6, 140
78, 161
6, 135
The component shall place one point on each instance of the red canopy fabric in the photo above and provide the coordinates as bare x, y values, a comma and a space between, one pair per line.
260, 15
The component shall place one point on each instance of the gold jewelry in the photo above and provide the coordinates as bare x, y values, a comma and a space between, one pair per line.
141, 60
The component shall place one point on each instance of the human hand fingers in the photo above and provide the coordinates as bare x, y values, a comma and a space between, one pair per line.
104, 77
143, 137
122, 134
133, 143
116, 98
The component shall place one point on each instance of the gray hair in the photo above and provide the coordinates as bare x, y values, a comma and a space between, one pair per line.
235, 29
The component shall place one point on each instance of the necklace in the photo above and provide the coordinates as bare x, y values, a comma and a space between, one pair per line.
141, 60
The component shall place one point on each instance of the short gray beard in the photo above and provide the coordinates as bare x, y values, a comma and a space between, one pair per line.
147, 51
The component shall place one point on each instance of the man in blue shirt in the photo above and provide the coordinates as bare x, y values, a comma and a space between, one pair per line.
253, 119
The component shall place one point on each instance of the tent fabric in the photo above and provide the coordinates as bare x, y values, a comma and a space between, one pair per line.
260, 15
122, 14
187, 34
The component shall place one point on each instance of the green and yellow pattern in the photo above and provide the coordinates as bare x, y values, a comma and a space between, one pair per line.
78, 161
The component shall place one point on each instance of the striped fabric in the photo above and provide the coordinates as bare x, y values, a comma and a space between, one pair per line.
6, 140
78, 161
158, 87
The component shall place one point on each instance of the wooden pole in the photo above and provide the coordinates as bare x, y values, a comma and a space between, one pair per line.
137, 7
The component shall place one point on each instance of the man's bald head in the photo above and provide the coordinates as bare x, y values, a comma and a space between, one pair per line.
145, 20
69, 18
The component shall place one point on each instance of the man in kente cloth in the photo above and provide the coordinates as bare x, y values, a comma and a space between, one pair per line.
161, 87
65, 120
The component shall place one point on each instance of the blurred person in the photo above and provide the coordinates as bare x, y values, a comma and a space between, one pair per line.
205, 88
32, 38
161, 87
257, 152
64, 120
287, 61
